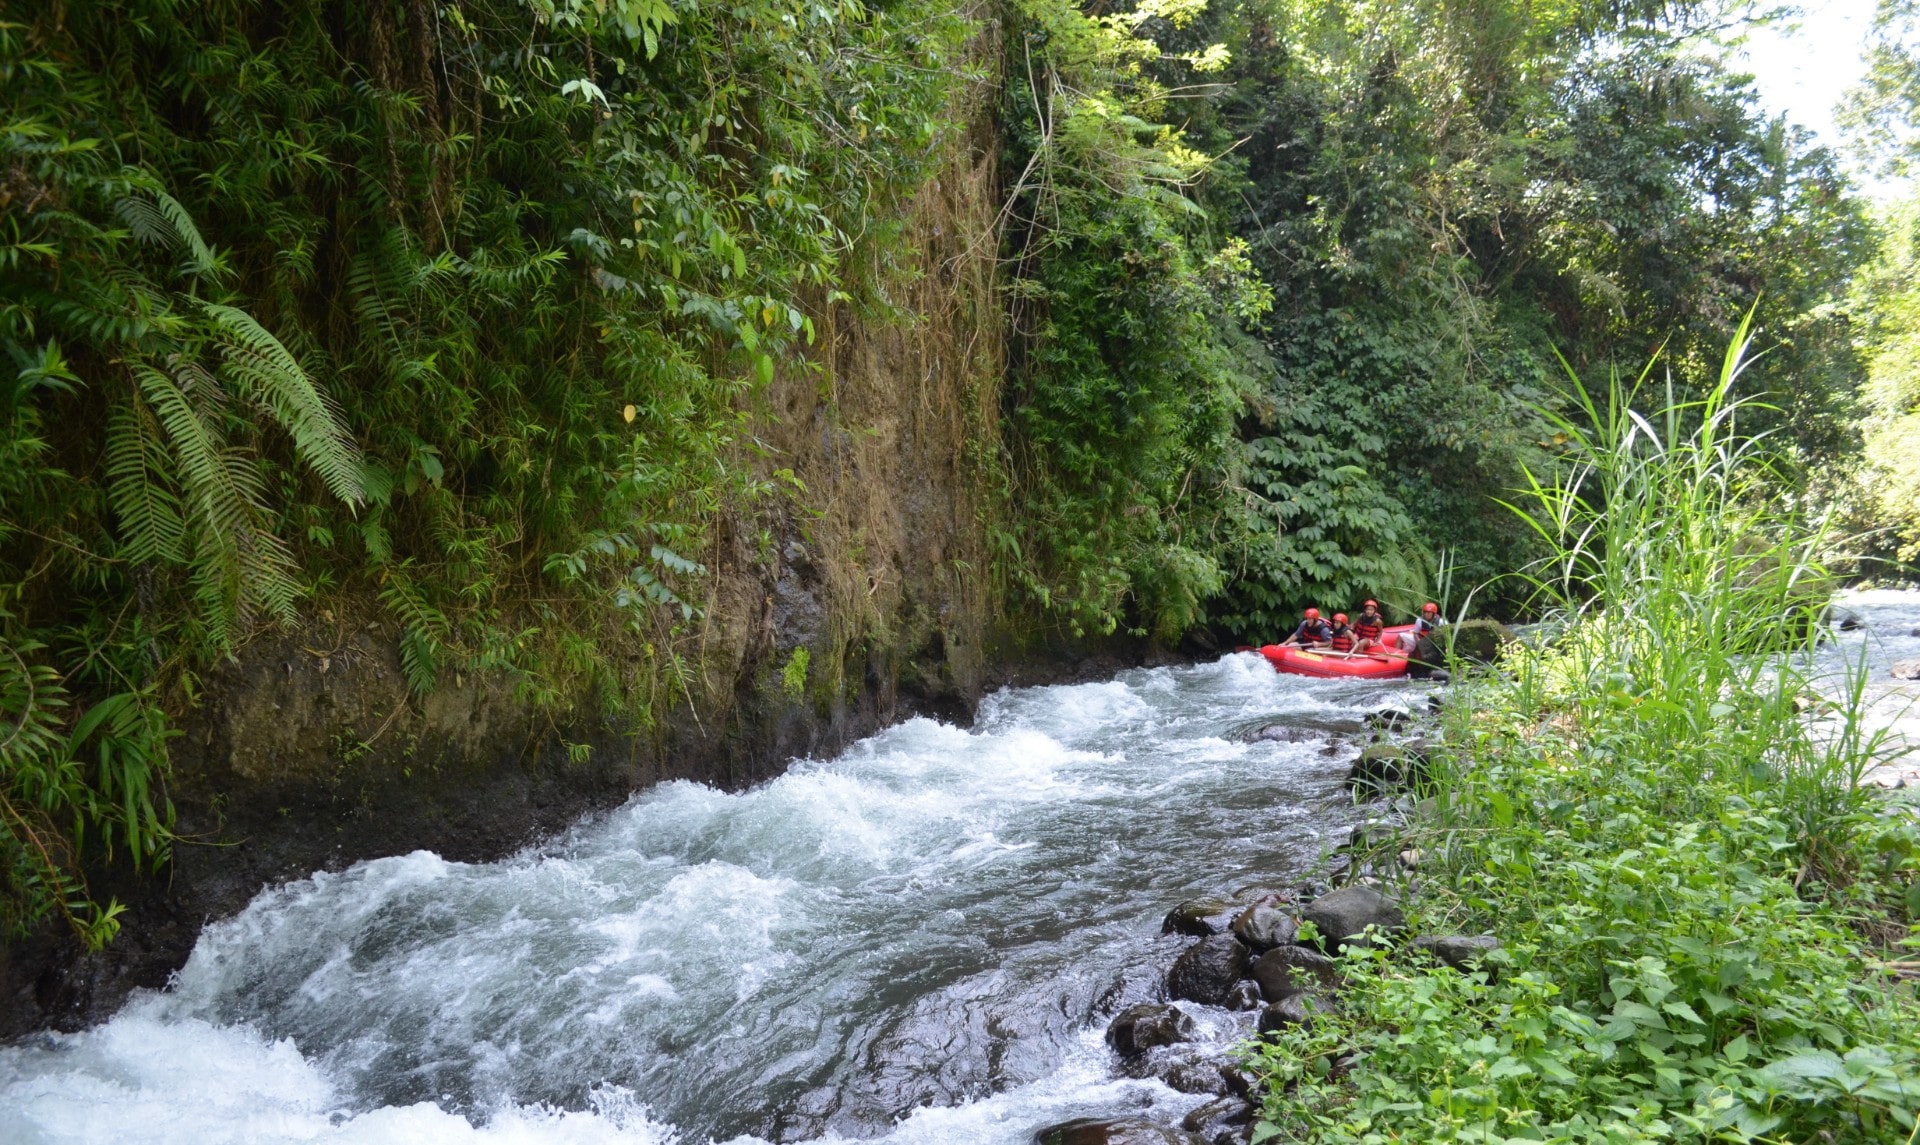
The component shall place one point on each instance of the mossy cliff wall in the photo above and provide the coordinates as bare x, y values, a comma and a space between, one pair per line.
307, 751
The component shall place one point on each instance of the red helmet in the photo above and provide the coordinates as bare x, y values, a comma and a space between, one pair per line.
1340, 617
1313, 614
1370, 603
1429, 607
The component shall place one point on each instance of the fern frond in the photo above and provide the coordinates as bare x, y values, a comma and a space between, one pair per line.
269, 373
424, 629
151, 525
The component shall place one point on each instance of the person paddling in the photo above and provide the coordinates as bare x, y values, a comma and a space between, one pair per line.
1368, 626
1340, 636
1312, 633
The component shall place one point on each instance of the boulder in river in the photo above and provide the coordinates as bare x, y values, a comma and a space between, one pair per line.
1289, 970
1199, 917
1906, 670
1464, 952
1342, 916
1245, 995
1384, 767
1112, 1131
1389, 719
1207, 971
1263, 927
1137, 1029
1224, 1119
1295, 1010
1196, 1077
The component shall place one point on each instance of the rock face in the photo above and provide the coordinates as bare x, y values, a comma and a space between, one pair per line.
1199, 917
1112, 1131
1289, 970
1207, 971
1343, 915
1465, 953
1907, 670
1264, 927
1138, 1029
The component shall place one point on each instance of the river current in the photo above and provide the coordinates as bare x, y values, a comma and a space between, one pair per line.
918, 942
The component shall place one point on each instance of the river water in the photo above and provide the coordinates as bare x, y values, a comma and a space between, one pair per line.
919, 941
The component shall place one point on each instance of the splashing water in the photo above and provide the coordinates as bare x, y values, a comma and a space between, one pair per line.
919, 941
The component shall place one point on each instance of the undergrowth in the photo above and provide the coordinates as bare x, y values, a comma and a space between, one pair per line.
1660, 815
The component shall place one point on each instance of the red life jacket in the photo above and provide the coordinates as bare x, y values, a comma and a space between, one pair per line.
1343, 638
1367, 631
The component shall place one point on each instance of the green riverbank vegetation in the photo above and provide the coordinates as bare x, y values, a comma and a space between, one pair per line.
1656, 808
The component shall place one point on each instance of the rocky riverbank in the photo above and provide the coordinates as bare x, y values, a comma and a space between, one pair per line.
1257, 960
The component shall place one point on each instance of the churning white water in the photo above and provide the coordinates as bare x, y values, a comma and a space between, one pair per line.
919, 941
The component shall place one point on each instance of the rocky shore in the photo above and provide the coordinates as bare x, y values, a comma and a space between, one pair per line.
1259, 959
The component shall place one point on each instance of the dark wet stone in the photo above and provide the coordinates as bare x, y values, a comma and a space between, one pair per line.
1207, 971
1199, 917
1227, 1114
1463, 952
1245, 995
1195, 1077
1263, 927
1389, 719
1240, 1081
1289, 970
1343, 915
1112, 1131
1137, 1029
1297, 1010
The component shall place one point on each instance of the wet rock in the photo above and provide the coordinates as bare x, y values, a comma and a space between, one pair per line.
1282, 733
1435, 703
1207, 971
1343, 915
1112, 1131
1385, 767
1463, 952
1263, 927
1139, 1028
1389, 719
1297, 1010
1220, 1120
1916, 631
1245, 995
1196, 1077
1847, 621
1907, 670
1477, 640
1240, 1081
1289, 970
1199, 917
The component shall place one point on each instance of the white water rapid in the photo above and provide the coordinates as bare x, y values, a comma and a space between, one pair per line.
918, 942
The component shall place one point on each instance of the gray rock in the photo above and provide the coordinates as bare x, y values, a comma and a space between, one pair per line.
1199, 917
1139, 1028
1263, 927
1196, 1077
1916, 631
1463, 952
1220, 1118
1343, 915
1388, 719
1289, 970
1207, 971
1112, 1131
1907, 670
1297, 1010
1240, 1081
1380, 767
1245, 995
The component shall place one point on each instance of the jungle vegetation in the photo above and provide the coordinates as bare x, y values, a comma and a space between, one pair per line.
457, 310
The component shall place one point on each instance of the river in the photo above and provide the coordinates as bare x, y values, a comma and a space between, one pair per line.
919, 941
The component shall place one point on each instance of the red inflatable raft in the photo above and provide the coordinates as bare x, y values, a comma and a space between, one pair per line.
1342, 665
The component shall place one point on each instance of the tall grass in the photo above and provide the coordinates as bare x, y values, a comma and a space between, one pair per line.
1662, 819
